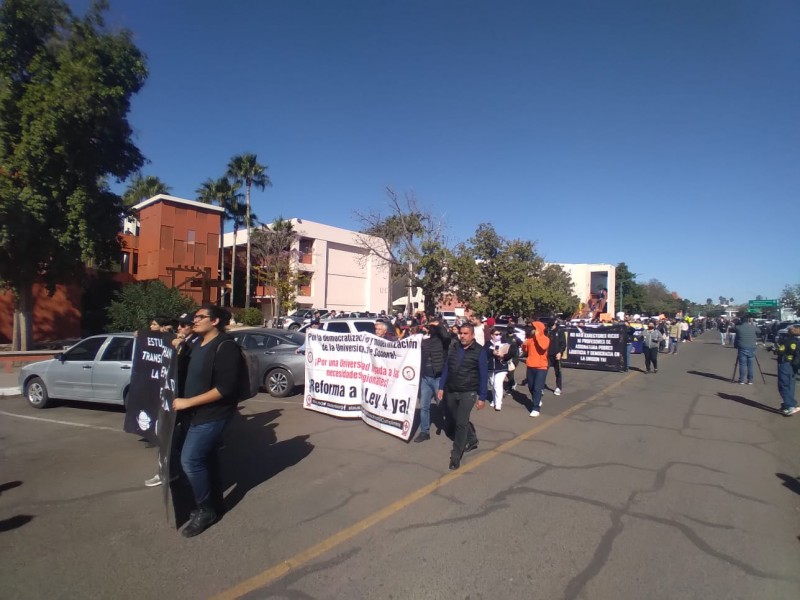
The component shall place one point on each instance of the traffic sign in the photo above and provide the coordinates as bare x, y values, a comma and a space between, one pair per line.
763, 304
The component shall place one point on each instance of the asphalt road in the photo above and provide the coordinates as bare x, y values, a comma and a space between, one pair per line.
674, 485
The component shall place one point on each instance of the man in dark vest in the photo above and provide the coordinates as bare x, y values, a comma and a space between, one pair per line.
464, 378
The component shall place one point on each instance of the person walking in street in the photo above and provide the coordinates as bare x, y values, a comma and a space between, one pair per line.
535, 349
745, 344
464, 379
210, 395
558, 345
510, 338
183, 343
435, 342
675, 336
788, 351
652, 338
497, 357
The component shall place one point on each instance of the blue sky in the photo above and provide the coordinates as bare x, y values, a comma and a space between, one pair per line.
662, 134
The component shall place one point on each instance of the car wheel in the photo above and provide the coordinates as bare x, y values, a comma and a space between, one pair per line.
36, 393
279, 383
294, 327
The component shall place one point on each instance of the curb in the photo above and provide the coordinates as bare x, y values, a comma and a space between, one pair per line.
10, 391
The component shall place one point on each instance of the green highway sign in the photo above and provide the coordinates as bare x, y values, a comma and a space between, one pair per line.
763, 304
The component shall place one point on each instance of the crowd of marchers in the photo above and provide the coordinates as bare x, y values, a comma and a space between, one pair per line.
464, 366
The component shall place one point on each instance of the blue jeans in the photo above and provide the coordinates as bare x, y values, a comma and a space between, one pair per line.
428, 386
536, 381
200, 461
628, 355
786, 385
746, 360
673, 341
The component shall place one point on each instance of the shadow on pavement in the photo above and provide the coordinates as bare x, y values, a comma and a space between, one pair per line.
710, 375
789, 482
16, 520
253, 455
748, 402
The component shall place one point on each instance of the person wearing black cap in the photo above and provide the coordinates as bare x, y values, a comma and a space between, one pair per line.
435, 341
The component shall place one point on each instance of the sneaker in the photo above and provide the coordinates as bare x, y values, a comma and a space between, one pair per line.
749, 383
534, 413
422, 437
153, 481
557, 392
491, 403
655, 370
788, 412
471, 447
741, 383
498, 408
454, 464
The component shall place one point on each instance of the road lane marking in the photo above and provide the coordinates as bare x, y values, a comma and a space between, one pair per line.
57, 422
272, 574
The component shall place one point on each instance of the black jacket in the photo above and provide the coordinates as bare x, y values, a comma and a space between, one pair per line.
221, 370
558, 341
434, 351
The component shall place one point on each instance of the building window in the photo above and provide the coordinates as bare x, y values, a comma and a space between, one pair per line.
306, 251
125, 264
166, 237
135, 264
190, 236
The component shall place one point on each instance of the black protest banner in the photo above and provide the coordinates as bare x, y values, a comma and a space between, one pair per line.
596, 347
152, 383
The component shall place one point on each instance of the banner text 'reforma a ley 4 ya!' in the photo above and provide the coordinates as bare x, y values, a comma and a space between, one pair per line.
363, 376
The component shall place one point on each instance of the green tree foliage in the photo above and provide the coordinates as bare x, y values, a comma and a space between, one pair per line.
790, 297
408, 235
137, 304
143, 187
65, 89
251, 317
494, 275
245, 170
629, 293
658, 299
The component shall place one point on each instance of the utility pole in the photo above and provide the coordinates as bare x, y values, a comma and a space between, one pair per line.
408, 297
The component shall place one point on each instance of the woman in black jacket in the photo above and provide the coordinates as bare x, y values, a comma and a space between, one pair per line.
558, 345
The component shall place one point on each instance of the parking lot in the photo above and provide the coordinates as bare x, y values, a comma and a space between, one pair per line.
628, 486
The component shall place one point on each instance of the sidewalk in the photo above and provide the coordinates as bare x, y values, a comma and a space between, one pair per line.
9, 383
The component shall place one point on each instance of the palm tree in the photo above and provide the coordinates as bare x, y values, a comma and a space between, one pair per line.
224, 194
245, 169
143, 187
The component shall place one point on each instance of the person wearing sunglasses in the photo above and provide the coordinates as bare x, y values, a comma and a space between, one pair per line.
209, 399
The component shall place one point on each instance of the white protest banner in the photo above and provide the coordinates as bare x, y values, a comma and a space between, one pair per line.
362, 375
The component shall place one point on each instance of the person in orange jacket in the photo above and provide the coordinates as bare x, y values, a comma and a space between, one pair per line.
535, 348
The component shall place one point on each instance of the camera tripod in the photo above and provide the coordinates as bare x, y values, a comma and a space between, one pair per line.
736, 366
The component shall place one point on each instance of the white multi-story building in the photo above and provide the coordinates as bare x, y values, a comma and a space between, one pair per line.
342, 273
